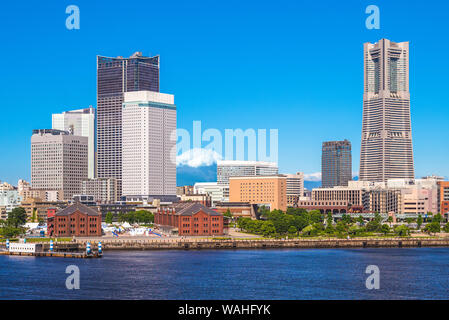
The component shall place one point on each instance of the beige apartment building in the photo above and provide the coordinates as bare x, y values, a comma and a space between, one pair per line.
400, 196
47, 195
104, 190
39, 208
58, 161
295, 188
419, 201
382, 200
26, 192
352, 196
270, 191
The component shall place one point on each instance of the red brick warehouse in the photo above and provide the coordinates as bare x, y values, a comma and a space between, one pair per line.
191, 220
76, 220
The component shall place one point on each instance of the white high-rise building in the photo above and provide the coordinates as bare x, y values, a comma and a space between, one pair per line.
236, 168
148, 145
79, 123
58, 161
295, 184
217, 192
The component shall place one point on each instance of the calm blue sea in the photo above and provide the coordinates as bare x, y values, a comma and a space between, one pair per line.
416, 273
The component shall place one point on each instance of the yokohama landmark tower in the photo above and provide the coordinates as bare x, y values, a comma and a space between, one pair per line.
386, 149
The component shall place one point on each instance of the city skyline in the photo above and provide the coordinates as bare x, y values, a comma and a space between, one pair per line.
297, 99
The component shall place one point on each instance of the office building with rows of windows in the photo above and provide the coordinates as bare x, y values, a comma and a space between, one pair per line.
58, 161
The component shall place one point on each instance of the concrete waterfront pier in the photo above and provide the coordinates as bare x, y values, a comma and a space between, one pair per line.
77, 249
165, 244
81, 255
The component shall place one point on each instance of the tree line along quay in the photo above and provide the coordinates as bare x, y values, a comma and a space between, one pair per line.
300, 223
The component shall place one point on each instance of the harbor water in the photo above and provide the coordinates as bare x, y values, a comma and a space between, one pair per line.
405, 273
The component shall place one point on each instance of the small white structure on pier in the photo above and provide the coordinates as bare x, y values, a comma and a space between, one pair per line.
25, 247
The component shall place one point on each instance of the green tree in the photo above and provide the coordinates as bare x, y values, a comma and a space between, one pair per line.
346, 218
34, 216
373, 226
17, 217
268, 229
360, 220
318, 228
419, 221
292, 230
402, 231
437, 218
329, 228
341, 227
385, 229
307, 231
432, 227
409, 220
446, 228
301, 221
355, 230
8, 231
390, 220
377, 218
228, 214
108, 218
316, 216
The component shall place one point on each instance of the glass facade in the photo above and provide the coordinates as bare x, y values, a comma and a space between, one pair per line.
336, 163
114, 77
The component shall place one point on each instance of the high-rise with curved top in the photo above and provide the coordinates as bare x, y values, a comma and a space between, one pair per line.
386, 149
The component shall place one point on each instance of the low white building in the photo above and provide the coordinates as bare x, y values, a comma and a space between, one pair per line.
218, 193
25, 247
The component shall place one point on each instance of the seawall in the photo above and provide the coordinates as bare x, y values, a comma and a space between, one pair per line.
186, 244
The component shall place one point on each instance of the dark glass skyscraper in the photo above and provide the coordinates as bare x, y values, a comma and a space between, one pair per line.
336, 163
114, 77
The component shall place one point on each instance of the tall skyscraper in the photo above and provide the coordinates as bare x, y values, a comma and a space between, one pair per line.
79, 123
386, 149
58, 161
115, 76
336, 163
149, 145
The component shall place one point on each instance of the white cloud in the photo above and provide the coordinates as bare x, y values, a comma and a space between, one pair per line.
198, 157
316, 176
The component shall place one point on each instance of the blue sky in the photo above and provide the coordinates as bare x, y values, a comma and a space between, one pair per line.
295, 66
